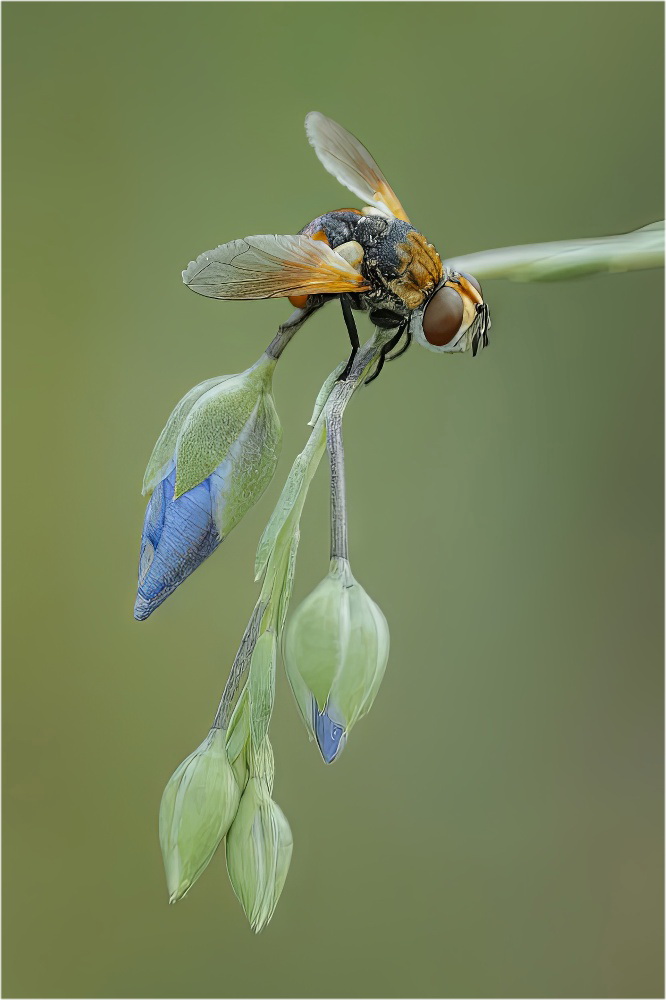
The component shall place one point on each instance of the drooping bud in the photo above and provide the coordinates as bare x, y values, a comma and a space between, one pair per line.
335, 651
198, 806
212, 462
259, 846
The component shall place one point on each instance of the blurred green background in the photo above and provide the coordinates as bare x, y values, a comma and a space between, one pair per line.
494, 827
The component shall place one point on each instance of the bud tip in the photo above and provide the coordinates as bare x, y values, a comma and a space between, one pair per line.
331, 734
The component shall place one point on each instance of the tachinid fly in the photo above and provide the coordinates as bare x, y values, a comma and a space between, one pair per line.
372, 259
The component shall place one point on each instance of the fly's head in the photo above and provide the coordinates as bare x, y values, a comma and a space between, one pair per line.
455, 317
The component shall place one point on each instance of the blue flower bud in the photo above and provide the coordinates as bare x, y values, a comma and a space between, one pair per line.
213, 460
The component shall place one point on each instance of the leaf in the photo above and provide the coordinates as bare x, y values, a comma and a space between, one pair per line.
239, 727
261, 685
294, 492
325, 392
288, 581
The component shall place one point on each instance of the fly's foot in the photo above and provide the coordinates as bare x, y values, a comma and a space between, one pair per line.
383, 357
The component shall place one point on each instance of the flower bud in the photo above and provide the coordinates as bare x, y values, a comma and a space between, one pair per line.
335, 651
213, 460
259, 846
197, 808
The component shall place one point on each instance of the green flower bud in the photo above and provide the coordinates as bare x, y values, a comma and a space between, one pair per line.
259, 846
197, 808
212, 462
262, 764
335, 652
233, 425
162, 458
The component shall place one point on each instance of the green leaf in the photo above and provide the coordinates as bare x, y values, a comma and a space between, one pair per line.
239, 727
325, 392
288, 580
261, 685
292, 496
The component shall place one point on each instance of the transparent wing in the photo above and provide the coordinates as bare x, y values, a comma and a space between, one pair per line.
265, 267
351, 164
640, 249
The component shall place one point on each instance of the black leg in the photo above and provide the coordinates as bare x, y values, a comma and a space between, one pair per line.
382, 357
402, 350
378, 368
350, 323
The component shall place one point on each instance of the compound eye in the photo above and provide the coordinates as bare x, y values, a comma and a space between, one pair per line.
472, 280
443, 316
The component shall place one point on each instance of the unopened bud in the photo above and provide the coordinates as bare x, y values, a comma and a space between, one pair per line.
259, 846
335, 652
197, 808
214, 459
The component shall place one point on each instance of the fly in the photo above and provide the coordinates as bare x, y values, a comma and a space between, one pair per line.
372, 259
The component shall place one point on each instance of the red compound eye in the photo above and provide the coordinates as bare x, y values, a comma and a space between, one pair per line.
443, 316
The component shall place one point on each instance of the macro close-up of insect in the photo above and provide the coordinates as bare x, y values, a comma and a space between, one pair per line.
333, 459
382, 264
218, 453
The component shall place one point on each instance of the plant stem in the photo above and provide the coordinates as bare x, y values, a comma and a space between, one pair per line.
291, 326
333, 412
276, 571
336, 457
239, 668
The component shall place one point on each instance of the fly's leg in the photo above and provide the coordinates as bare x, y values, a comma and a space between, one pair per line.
385, 350
350, 323
402, 350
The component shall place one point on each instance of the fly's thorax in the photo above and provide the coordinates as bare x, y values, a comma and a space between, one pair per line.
399, 261
422, 270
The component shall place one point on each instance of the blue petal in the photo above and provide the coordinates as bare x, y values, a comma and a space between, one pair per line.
330, 733
177, 536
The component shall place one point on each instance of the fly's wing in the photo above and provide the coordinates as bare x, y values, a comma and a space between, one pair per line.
351, 164
266, 267
643, 248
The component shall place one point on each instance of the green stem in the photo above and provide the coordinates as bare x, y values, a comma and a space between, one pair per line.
292, 326
277, 548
